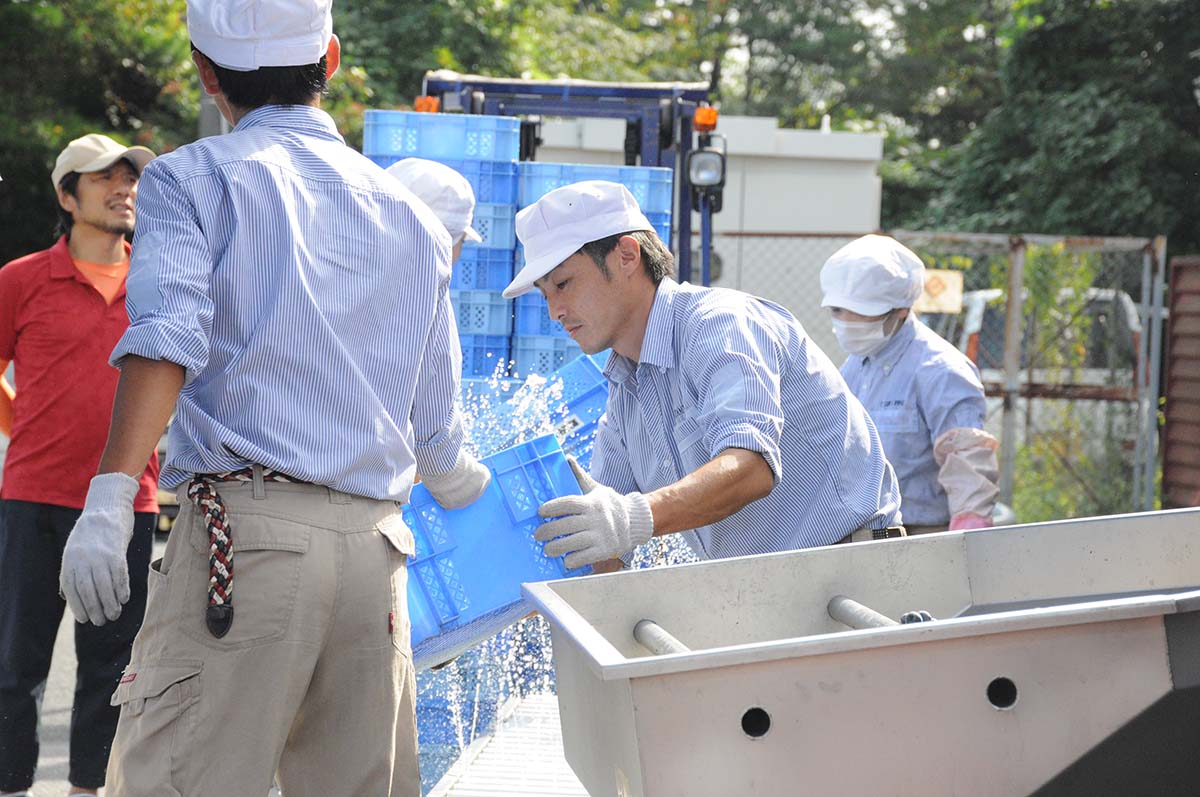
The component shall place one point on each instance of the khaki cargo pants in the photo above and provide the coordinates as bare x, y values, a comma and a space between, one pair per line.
313, 682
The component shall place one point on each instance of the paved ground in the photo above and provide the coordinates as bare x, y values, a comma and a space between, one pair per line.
56, 715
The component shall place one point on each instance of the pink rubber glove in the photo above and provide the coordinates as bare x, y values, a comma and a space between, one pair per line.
969, 520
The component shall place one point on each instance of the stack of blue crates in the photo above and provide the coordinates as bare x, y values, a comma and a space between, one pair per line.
483, 149
518, 337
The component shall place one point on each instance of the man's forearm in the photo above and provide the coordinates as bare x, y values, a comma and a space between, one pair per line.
733, 478
146, 396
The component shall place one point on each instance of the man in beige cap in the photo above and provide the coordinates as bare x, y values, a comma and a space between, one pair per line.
61, 312
289, 304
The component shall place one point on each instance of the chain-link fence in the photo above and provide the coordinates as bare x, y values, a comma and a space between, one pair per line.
1072, 382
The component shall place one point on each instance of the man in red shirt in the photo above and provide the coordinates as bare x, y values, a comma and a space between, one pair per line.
62, 311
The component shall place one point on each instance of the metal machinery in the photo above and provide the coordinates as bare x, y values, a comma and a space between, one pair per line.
661, 120
1052, 659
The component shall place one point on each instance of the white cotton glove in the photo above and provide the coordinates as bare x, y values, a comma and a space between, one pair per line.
461, 486
95, 576
600, 524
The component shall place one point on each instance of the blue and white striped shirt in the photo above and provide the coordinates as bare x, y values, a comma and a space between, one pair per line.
306, 293
722, 369
917, 388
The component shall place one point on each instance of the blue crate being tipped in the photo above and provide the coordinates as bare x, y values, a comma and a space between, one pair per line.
584, 398
464, 582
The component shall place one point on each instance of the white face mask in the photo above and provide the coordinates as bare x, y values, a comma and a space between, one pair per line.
863, 338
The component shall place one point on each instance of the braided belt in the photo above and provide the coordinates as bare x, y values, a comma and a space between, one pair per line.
219, 614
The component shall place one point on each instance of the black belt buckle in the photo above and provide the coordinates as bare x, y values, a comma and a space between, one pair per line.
889, 533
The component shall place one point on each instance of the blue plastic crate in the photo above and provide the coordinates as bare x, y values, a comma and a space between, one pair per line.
464, 581
481, 312
496, 225
491, 181
441, 136
662, 225
482, 355
541, 354
533, 317
650, 186
584, 398
482, 268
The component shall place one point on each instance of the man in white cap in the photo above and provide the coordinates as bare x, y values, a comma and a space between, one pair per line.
447, 193
923, 394
61, 312
723, 418
289, 304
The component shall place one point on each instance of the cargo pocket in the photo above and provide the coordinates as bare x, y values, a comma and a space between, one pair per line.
400, 545
154, 733
268, 554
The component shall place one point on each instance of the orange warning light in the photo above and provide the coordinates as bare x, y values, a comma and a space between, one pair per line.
427, 104
706, 119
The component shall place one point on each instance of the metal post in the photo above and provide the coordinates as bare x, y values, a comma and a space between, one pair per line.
1142, 388
1014, 323
683, 193
1157, 297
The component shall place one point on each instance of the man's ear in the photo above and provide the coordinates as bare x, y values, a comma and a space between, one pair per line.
67, 202
333, 56
630, 254
208, 75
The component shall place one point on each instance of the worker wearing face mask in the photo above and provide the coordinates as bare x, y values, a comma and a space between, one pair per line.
924, 395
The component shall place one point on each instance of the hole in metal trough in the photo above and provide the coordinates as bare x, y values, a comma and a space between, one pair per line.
756, 722
1002, 693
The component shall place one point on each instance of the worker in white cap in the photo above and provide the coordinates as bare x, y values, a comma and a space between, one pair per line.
447, 193
723, 418
62, 309
924, 395
289, 306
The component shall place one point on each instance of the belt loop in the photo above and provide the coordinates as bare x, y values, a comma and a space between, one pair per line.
260, 486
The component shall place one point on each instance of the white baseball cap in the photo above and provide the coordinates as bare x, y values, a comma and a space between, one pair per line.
872, 275
244, 35
444, 190
561, 222
95, 153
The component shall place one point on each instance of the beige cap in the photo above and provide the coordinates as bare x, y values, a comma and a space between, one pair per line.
95, 153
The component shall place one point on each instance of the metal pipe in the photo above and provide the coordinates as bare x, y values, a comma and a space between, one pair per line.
1157, 297
854, 614
1142, 384
655, 639
1014, 322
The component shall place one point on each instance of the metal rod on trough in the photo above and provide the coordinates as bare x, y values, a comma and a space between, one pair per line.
854, 614
655, 639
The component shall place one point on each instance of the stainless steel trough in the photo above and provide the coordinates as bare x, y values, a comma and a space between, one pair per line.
1064, 659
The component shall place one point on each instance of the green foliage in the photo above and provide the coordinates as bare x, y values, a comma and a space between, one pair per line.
1096, 133
71, 67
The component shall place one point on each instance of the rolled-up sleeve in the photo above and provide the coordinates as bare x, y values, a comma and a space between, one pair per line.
168, 291
437, 419
734, 361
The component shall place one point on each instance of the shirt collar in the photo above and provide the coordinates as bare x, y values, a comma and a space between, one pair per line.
62, 265
893, 350
658, 344
302, 118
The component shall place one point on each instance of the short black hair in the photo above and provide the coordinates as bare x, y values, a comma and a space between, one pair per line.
272, 85
70, 184
657, 259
